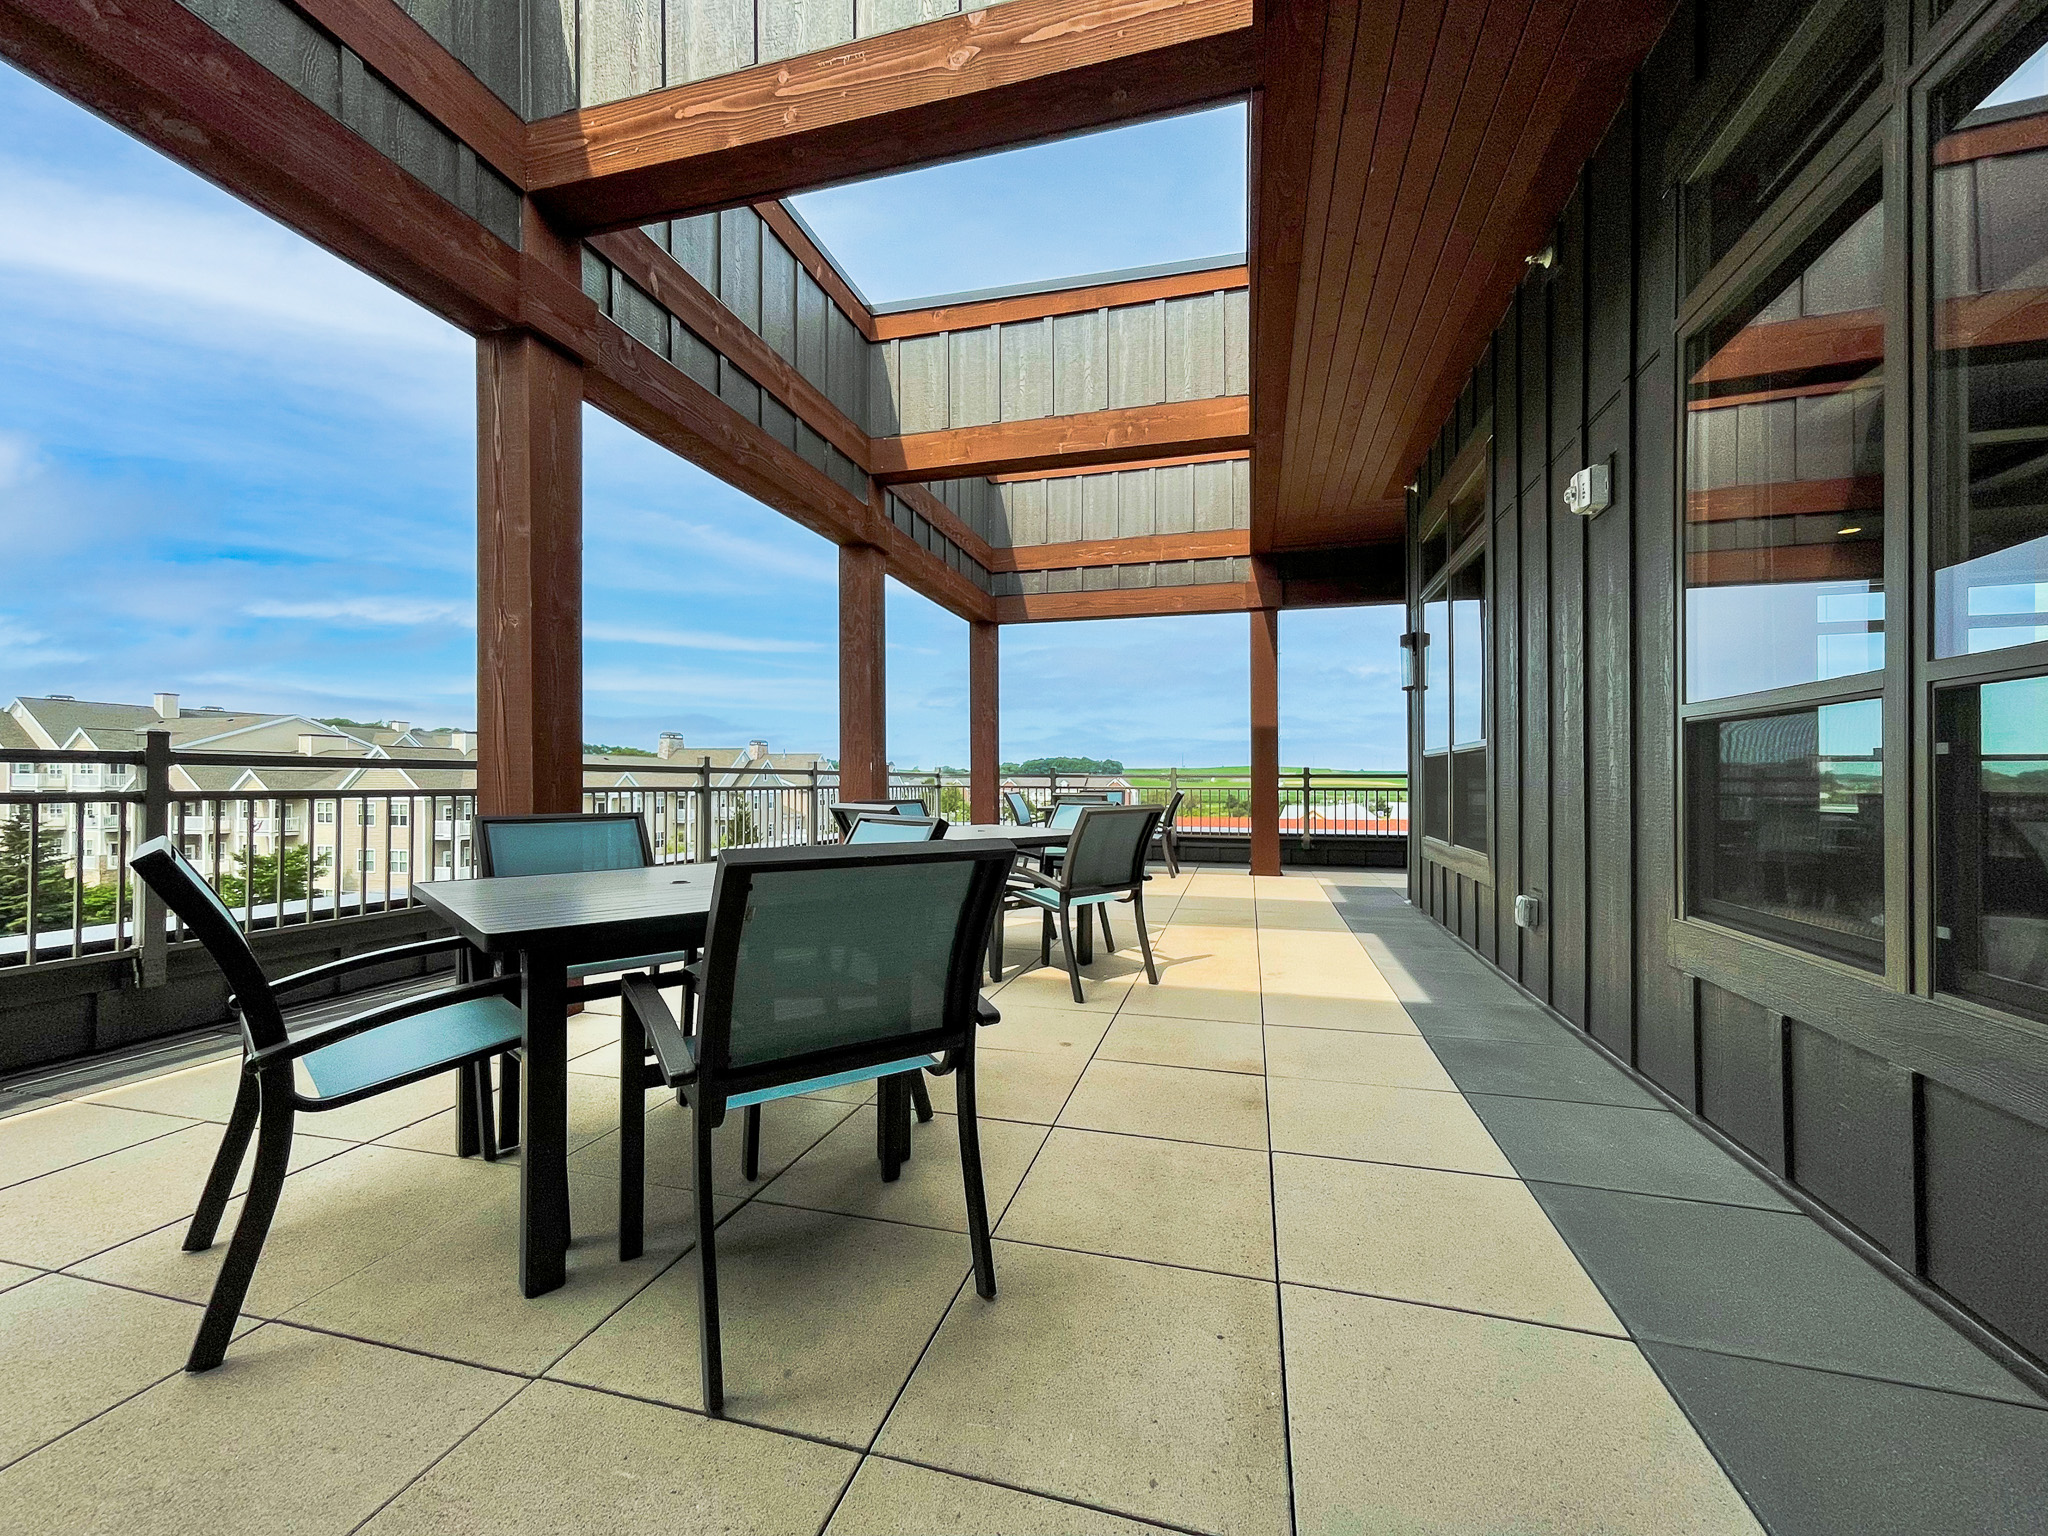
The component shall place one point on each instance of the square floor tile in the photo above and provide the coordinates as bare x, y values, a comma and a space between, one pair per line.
335, 1218
842, 1173
1826, 1455
1137, 1198
1489, 1021
1418, 1234
1150, 1391
593, 1110
1477, 987
1031, 1086
1765, 1283
1353, 1056
12, 1275
789, 1128
894, 1498
1418, 1126
822, 1318
1568, 1069
1223, 1108
1103, 987
1215, 1045
1056, 1031
454, 1291
1650, 1151
70, 1349
62, 1217
297, 1432
1414, 1419
1372, 1015
203, 1092
560, 1458
59, 1135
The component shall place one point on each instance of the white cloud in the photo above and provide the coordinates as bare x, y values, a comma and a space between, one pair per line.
18, 459
696, 640
378, 612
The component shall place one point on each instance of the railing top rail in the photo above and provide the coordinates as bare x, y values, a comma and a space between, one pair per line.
66, 755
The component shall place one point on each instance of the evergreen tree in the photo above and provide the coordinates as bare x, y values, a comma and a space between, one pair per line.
262, 872
53, 877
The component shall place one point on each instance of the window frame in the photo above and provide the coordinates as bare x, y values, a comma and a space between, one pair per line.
1467, 482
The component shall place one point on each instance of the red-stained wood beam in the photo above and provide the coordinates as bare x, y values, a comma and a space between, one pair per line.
863, 690
1014, 73
1265, 767
1058, 442
664, 278
529, 577
971, 313
1147, 602
1220, 544
154, 69
433, 79
1096, 469
984, 722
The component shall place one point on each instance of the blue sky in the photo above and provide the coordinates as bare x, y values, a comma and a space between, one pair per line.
235, 468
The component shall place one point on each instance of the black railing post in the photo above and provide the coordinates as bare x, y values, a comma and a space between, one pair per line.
1304, 807
151, 940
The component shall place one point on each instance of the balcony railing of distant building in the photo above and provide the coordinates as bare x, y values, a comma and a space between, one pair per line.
285, 857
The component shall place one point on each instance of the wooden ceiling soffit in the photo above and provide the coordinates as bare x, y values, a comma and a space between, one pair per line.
1058, 442
973, 313
643, 390
1329, 578
1015, 73
1136, 603
158, 71
666, 281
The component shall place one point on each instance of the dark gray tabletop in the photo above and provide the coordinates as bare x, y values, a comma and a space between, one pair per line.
575, 918
1010, 832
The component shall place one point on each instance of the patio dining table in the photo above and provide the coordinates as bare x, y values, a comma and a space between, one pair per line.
544, 924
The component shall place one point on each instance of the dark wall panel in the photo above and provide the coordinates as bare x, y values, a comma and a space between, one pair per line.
1742, 1077
1851, 1135
1536, 743
1610, 813
1568, 957
1987, 1213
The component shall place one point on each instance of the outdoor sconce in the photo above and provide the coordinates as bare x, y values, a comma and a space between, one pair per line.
1411, 650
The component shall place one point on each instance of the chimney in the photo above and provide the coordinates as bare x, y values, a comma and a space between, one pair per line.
756, 750
312, 744
167, 706
669, 745
459, 741
400, 726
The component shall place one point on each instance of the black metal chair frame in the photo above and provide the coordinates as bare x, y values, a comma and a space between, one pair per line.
847, 812
267, 1100
1022, 812
1025, 882
1168, 835
698, 1065
937, 824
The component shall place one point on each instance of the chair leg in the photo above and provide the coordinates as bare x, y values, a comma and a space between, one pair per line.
891, 1105
1108, 938
508, 1101
711, 1360
1045, 940
266, 1183
1073, 961
750, 1161
477, 1077
920, 1098
227, 1162
467, 1142
632, 1137
970, 1174
995, 945
1144, 936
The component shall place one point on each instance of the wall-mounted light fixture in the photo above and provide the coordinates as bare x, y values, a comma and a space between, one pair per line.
1411, 659
1543, 260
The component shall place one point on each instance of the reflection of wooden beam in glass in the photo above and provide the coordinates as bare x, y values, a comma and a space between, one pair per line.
2007, 318
2011, 137
1777, 565
1785, 498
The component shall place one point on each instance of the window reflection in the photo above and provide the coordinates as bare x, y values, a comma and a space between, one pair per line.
1785, 471
1994, 851
1990, 382
1468, 704
1787, 836
1436, 719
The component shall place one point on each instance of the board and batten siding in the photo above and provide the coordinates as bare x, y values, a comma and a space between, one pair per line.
1923, 1125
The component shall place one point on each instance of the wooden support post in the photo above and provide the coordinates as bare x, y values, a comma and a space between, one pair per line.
529, 576
863, 712
984, 734
1265, 627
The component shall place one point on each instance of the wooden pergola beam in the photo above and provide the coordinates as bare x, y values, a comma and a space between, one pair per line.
1059, 442
1015, 73
1133, 603
1219, 544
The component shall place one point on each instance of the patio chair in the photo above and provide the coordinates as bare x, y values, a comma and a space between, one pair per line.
564, 843
822, 966
1105, 859
871, 828
457, 1028
1022, 812
1168, 835
846, 812
911, 807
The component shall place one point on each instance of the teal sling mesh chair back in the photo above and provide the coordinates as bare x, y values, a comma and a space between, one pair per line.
1104, 860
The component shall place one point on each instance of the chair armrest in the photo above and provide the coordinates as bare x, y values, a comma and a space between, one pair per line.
671, 1046
986, 1013
377, 1018
335, 968
1030, 877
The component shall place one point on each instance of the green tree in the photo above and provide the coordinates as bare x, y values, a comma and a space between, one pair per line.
261, 871
741, 831
953, 804
1041, 765
53, 878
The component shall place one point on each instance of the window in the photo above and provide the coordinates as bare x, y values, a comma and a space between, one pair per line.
369, 860
1784, 470
1992, 843
366, 813
1455, 800
1787, 831
401, 861
400, 813
1988, 436
323, 812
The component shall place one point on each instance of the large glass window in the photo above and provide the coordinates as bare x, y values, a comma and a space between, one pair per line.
1455, 802
1992, 843
1787, 832
1784, 471
1989, 395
